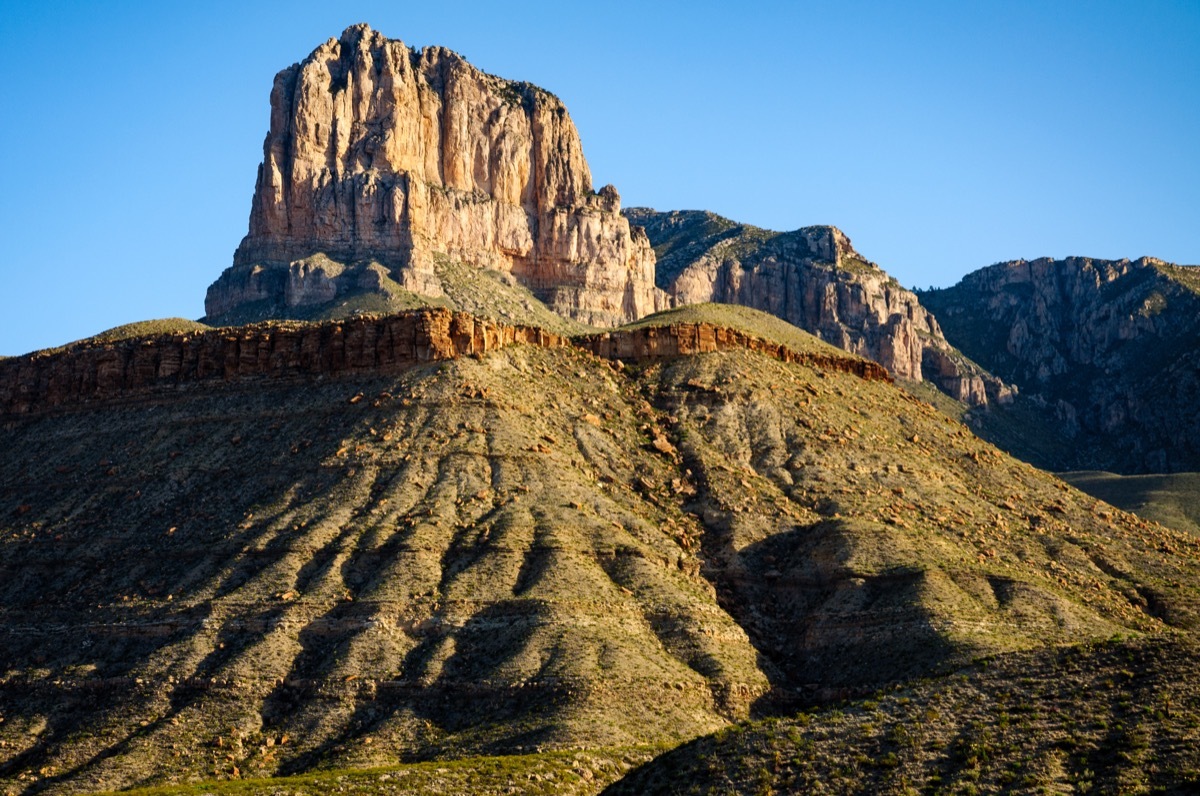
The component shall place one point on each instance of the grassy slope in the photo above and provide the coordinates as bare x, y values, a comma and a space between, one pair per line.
1116, 717
462, 561
491, 294
1021, 428
148, 329
846, 522
756, 322
1170, 498
129, 331
548, 774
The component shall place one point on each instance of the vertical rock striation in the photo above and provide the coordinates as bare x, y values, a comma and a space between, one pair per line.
814, 279
1107, 348
104, 373
381, 153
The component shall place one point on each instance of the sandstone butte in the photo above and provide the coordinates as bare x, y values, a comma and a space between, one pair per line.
377, 152
36, 383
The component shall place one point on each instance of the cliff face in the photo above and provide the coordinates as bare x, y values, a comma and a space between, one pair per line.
1108, 348
378, 152
814, 279
105, 373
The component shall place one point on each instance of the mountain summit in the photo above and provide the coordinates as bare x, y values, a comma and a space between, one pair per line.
381, 160
392, 177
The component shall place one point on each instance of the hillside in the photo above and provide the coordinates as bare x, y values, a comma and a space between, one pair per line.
1104, 350
1116, 717
1172, 499
451, 560
524, 549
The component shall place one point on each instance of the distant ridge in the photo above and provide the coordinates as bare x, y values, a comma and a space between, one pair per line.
814, 279
1106, 351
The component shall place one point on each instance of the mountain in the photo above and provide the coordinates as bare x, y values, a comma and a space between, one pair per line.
812, 278
382, 161
390, 174
1107, 352
399, 518
295, 546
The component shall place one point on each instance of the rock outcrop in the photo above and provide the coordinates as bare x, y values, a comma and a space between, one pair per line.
379, 153
814, 279
105, 372
1108, 349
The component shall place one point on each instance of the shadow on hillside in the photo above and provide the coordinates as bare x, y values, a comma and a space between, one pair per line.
164, 513
825, 631
463, 699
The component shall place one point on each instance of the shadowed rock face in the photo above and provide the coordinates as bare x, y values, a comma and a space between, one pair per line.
812, 278
379, 152
1107, 348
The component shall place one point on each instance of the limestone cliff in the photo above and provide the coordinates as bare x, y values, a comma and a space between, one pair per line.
814, 279
380, 153
108, 372
1108, 349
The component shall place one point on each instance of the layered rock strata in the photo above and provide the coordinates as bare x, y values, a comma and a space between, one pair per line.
1107, 348
814, 279
377, 152
89, 374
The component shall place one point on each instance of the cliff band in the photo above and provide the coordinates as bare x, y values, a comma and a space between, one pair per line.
36, 383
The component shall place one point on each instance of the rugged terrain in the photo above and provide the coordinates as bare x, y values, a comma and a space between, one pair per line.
814, 279
526, 548
381, 159
1104, 351
400, 517
391, 177
1116, 717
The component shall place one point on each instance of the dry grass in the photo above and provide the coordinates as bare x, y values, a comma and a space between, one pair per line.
755, 322
529, 551
1116, 717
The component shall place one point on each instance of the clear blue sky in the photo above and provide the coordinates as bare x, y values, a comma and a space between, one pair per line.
941, 136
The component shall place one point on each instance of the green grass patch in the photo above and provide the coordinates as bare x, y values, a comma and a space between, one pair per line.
566, 772
756, 322
1172, 499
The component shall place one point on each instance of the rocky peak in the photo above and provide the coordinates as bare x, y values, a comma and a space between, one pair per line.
813, 278
829, 243
377, 152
